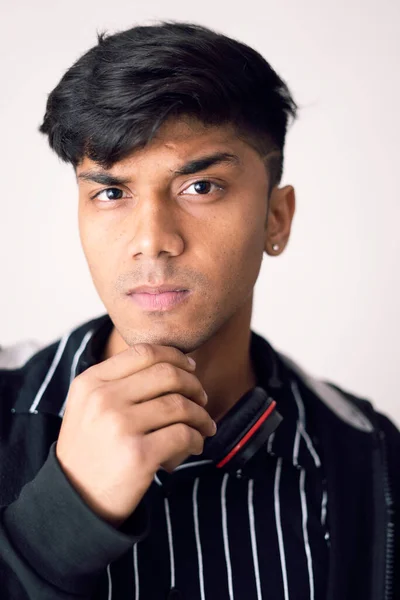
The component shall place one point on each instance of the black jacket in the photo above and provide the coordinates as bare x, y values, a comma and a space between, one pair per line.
361, 456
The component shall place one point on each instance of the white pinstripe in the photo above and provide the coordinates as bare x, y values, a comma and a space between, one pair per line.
193, 464
305, 532
270, 441
136, 571
296, 445
197, 534
170, 541
50, 372
310, 447
156, 479
225, 535
301, 424
74, 364
323, 506
254, 539
279, 527
324, 511
109, 583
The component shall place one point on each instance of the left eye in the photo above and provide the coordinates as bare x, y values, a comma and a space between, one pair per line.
202, 187
110, 194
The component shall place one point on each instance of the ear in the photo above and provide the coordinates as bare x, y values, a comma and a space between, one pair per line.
281, 207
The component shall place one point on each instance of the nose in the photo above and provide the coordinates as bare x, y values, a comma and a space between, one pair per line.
155, 229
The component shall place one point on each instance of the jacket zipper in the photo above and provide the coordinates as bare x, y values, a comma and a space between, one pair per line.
389, 546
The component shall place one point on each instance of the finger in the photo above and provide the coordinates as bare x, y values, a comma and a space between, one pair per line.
170, 409
172, 441
139, 357
158, 380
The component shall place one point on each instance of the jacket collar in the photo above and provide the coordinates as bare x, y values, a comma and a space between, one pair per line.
80, 349
336, 401
47, 377
271, 374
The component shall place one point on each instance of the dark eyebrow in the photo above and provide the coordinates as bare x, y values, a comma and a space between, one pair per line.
199, 164
103, 178
189, 168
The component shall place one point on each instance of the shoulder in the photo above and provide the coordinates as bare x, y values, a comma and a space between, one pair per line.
16, 355
379, 420
15, 373
354, 410
21, 380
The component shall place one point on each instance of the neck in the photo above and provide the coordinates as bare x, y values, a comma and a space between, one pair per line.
224, 365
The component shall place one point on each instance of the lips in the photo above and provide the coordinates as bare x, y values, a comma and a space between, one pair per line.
161, 298
147, 289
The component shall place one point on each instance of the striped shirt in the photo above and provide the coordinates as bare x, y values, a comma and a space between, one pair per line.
251, 534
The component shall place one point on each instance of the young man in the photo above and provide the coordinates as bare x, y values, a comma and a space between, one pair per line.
116, 482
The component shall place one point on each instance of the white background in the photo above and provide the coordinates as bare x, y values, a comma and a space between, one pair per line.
331, 301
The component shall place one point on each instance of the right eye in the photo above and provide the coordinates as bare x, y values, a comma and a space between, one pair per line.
109, 194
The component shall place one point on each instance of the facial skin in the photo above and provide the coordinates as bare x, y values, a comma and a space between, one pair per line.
163, 230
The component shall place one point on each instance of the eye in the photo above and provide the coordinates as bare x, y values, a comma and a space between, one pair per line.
109, 194
203, 187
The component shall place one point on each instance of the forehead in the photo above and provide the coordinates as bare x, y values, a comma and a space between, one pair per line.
187, 129
180, 139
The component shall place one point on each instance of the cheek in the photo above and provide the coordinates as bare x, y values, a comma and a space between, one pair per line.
97, 248
241, 237
235, 251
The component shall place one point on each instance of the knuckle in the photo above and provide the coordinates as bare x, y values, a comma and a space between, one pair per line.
137, 450
143, 350
175, 354
178, 404
168, 372
114, 424
198, 443
184, 434
79, 385
98, 397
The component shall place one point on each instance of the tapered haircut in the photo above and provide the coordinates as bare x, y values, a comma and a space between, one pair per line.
114, 98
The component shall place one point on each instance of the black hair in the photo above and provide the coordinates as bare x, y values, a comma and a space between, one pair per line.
117, 95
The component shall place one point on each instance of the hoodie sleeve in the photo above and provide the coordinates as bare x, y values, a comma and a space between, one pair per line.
52, 545
392, 444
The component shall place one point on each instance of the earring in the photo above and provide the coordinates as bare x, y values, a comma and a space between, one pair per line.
275, 247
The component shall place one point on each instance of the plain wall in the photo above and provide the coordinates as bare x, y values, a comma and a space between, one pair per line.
331, 301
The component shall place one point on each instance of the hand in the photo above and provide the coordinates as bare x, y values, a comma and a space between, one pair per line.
125, 417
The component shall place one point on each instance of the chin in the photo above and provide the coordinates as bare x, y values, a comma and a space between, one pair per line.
185, 340
154, 335
187, 330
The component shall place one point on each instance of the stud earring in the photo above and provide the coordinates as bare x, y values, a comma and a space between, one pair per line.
275, 247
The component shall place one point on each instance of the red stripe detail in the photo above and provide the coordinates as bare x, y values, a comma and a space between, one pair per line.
248, 435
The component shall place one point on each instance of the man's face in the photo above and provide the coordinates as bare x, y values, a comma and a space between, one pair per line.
203, 233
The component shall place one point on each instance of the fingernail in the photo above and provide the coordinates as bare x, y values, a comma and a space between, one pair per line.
191, 361
215, 426
205, 397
